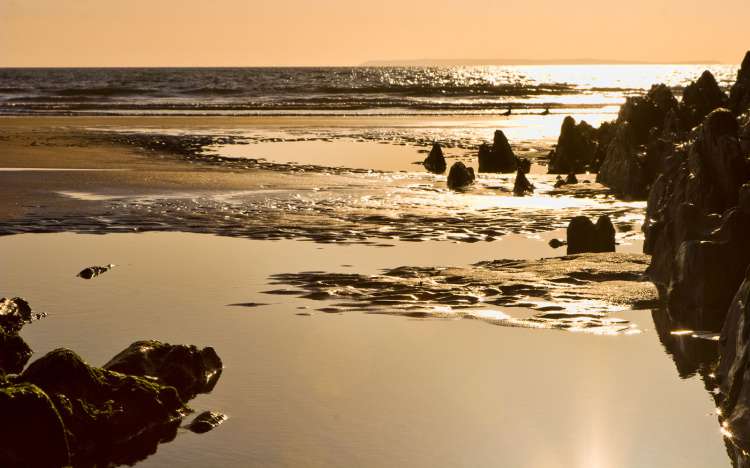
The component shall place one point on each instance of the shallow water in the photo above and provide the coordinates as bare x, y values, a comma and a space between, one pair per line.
355, 388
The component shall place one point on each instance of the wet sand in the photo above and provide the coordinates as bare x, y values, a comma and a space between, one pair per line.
309, 381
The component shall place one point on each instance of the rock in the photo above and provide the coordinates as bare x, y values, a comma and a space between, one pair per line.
733, 372
14, 313
695, 229
571, 178
32, 431
739, 95
559, 182
745, 137
110, 418
575, 149
522, 186
14, 353
648, 114
93, 271
622, 169
585, 236
524, 165
188, 369
435, 161
460, 176
499, 157
637, 148
206, 421
556, 243
700, 98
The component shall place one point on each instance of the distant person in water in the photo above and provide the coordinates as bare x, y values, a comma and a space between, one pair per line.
546, 111
508, 111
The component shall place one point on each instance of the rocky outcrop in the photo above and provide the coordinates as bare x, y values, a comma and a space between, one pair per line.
88, 416
32, 431
186, 368
499, 157
695, 229
585, 236
733, 375
14, 352
106, 414
435, 161
522, 186
739, 95
641, 141
460, 176
576, 148
700, 98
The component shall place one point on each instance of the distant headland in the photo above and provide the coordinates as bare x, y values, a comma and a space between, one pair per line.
486, 62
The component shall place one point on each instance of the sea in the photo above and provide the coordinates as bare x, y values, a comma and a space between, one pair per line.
446, 90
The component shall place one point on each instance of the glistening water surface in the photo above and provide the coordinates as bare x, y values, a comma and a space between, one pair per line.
362, 389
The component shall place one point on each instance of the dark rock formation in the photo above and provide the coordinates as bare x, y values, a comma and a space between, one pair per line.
31, 433
733, 374
522, 186
700, 98
93, 271
571, 179
206, 421
14, 352
635, 154
188, 369
575, 149
108, 416
556, 243
524, 165
694, 229
739, 96
14, 313
499, 157
622, 169
435, 161
460, 176
585, 236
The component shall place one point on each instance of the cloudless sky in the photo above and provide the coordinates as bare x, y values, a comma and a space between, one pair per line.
349, 32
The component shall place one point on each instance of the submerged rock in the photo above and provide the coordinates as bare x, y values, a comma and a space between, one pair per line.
188, 369
499, 157
32, 433
739, 95
522, 186
435, 161
575, 149
94, 271
206, 421
460, 176
585, 236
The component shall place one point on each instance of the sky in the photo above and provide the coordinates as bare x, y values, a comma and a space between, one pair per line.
350, 32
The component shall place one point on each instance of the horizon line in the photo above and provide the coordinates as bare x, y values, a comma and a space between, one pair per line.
404, 63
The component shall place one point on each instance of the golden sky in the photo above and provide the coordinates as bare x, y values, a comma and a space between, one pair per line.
349, 32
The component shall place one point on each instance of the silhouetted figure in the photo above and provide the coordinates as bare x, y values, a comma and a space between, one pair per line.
546, 111
508, 111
